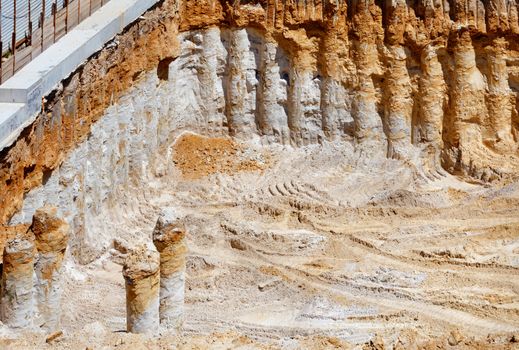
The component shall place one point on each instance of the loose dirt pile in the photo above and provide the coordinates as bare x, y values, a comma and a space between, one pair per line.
197, 156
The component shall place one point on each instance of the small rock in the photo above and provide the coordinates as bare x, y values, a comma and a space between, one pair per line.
455, 338
377, 343
263, 286
406, 341
53, 336
120, 246
237, 244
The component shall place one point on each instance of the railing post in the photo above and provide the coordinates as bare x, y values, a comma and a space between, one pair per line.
54, 10
13, 47
42, 21
14, 36
29, 42
1, 58
29, 20
66, 15
1, 43
42, 24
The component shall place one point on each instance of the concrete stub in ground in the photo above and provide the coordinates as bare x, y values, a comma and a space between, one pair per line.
142, 277
169, 239
51, 237
17, 302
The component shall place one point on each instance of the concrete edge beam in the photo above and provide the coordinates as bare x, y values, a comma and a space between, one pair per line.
13, 117
21, 95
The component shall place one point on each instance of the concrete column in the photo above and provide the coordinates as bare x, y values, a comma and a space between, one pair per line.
467, 112
141, 273
369, 130
17, 305
51, 236
272, 96
398, 103
499, 130
242, 85
432, 102
169, 238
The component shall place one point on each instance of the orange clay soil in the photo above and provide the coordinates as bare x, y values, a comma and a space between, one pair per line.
197, 156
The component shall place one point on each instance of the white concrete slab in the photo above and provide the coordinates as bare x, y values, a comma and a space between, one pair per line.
43, 74
12, 118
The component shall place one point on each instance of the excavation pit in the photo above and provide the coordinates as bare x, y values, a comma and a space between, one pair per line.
341, 180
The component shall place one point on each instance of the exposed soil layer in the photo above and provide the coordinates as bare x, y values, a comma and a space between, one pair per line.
197, 156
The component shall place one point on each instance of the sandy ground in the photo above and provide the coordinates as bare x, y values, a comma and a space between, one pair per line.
320, 247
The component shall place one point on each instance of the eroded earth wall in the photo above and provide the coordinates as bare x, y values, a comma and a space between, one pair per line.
435, 83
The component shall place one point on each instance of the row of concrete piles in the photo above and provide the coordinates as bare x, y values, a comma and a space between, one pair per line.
155, 280
30, 289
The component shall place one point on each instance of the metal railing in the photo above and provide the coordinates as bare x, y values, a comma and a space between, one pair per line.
28, 27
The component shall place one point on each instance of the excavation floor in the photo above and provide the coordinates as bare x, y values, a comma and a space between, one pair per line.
316, 247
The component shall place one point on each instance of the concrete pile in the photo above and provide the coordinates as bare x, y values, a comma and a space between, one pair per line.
51, 236
169, 239
31, 274
141, 274
155, 281
17, 303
